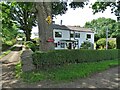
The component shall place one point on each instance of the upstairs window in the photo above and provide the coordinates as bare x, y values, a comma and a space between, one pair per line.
77, 35
71, 35
88, 36
58, 34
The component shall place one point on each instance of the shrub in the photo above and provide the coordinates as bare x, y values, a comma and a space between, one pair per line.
101, 43
87, 45
30, 45
61, 57
111, 44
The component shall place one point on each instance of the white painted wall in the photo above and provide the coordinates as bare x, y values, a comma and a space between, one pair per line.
65, 36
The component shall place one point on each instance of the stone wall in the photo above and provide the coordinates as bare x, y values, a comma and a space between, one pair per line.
26, 59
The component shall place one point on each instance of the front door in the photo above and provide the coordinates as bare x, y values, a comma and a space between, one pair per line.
70, 46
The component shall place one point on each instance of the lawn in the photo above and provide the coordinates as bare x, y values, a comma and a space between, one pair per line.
65, 73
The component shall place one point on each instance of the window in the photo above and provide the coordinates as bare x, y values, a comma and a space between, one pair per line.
71, 35
58, 34
89, 36
77, 35
62, 45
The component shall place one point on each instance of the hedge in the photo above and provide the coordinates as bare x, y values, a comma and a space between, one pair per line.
60, 57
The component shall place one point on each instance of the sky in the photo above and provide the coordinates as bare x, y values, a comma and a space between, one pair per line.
79, 16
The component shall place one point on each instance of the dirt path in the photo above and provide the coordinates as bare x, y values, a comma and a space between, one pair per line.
8, 67
105, 79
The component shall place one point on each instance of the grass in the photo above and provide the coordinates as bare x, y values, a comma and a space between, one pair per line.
65, 73
6, 52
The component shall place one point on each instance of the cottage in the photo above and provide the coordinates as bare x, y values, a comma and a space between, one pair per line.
71, 37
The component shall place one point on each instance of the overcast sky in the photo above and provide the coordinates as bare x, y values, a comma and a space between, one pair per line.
80, 16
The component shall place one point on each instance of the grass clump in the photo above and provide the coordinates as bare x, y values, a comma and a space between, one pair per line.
6, 52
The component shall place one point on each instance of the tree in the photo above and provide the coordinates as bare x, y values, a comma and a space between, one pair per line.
25, 15
21, 13
115, 8
102, 6
51, 9
100, 25
9, 27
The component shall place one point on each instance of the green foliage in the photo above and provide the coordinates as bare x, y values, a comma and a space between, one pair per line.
101, 43
102, 6
111, 44
100, 26
68, 72
87, 45
18, 70
9, 27
6, 52
31, 45
60, 57
20, 14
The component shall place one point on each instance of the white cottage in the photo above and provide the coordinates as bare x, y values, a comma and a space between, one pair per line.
71, 37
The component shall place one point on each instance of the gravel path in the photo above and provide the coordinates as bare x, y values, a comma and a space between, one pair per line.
106, 79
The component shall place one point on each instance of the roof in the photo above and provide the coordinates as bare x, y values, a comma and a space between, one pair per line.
72, 28
114, 39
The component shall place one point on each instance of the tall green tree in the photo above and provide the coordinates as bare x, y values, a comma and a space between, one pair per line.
22, 13
115, 8
100, 25
25, 15
9, 27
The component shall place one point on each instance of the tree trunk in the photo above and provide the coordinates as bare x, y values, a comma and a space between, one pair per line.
27, 34
45, 29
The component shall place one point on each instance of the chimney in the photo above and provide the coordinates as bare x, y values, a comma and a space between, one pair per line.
61, 22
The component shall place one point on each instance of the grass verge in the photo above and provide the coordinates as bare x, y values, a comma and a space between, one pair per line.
6, 52
65, 73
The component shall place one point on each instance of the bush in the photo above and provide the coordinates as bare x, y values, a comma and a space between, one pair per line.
61, 57
30, 45
87, 45
111, 44
101, 43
